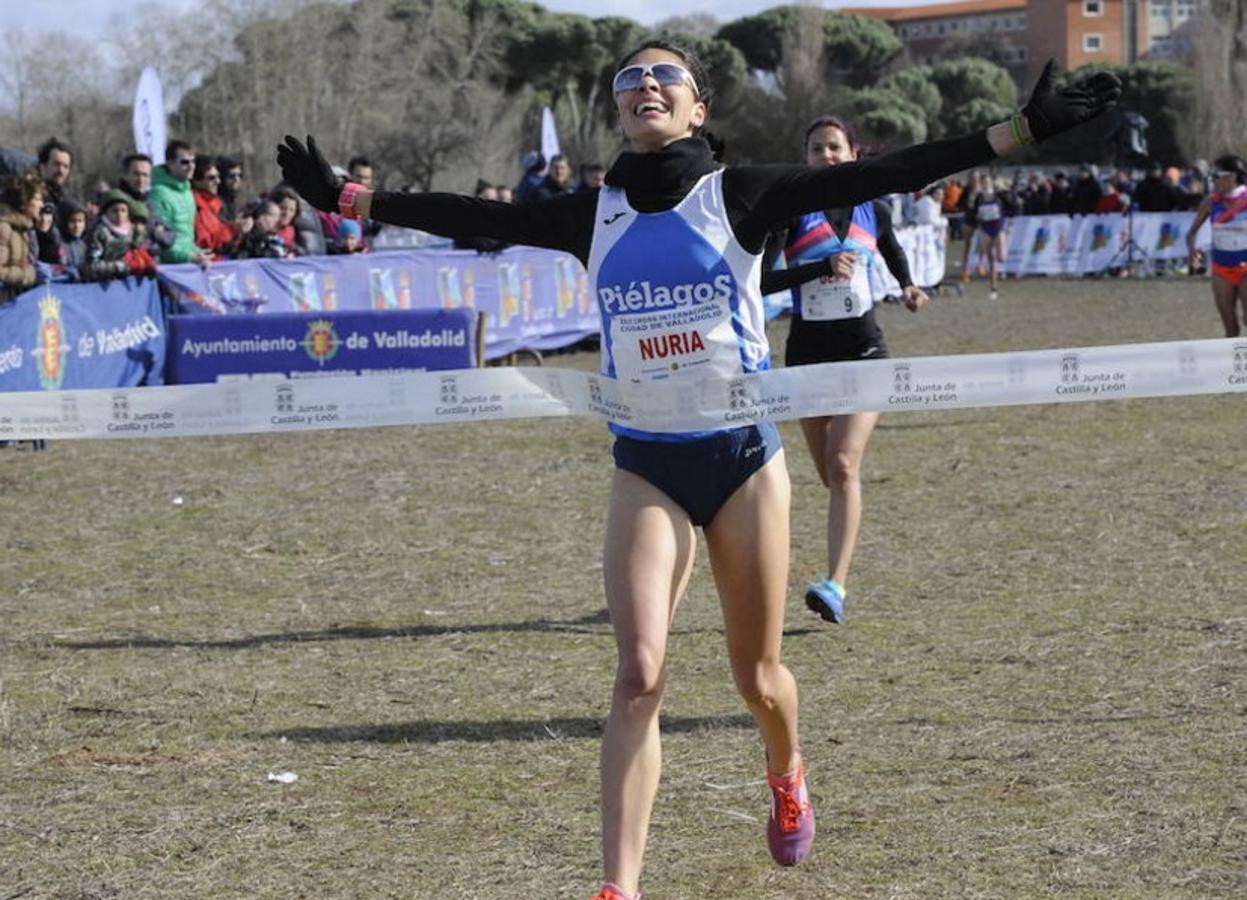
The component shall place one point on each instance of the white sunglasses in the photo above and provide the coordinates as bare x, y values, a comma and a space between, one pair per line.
629, 78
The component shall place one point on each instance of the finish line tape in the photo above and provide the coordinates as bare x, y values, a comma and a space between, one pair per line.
268, 405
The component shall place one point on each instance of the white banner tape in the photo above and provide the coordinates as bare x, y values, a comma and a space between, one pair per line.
471, 395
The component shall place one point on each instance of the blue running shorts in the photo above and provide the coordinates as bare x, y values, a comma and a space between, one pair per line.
701, 474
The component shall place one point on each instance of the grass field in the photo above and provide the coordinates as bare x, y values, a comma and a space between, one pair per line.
1039, 690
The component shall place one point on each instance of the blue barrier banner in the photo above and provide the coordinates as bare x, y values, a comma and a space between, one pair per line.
532, 299
1086, 245
298, 345
100, 335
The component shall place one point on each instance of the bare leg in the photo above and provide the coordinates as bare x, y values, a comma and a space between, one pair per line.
967, 253
748, 541
1224, 294
838, 444
993, 258
648, 557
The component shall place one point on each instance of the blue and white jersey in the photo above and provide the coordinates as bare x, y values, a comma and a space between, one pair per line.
679, 296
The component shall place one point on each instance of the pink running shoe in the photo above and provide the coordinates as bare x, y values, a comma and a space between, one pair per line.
790, 831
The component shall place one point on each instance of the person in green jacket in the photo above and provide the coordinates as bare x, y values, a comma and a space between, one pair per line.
172, 197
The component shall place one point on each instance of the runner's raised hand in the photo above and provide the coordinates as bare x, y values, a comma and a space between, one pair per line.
308, 172
1053, 109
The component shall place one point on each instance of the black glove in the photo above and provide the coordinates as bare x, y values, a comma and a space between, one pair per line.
1052, 110
307, 171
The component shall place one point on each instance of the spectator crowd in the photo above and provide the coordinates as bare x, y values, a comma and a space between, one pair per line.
192, 208
1153, 188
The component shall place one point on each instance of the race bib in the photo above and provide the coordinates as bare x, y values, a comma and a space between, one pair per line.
654, 346
1229, 238
832, 298
989, 212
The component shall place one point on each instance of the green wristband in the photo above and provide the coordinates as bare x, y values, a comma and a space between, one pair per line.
1015, 126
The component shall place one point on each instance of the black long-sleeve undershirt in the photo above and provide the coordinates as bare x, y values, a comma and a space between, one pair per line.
758, 198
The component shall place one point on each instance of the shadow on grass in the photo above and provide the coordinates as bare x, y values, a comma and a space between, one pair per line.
345, 633
436, 731
581, 625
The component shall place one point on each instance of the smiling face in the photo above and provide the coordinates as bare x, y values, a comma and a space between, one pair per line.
653, 115
210, 183
828, 145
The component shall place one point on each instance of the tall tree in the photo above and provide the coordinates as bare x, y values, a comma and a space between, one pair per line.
856, 48
1220, 63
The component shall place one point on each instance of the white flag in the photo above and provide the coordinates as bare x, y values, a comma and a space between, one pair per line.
549, 136
149, 116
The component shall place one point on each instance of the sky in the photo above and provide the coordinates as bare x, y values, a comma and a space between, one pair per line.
89, 18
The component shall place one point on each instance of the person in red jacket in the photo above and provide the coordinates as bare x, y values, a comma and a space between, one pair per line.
212, 233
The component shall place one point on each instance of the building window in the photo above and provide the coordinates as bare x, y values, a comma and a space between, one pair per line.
1092, 43
1092, 7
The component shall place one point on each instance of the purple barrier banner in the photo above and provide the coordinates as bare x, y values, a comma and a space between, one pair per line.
532, 299
298, 345
66, 336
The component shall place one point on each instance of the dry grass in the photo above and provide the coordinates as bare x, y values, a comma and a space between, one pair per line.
1038, 692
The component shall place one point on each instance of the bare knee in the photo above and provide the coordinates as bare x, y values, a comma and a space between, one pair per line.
843, 469
639, 679
757, 684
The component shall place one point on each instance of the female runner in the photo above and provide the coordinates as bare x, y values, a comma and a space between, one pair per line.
671, 216
1227, 206
829, 256
989, 219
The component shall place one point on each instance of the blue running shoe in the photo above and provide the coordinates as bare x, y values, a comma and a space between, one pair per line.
826, 598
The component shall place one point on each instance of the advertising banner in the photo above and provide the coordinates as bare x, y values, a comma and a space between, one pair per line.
1089, 245
296, 345
64, 336
534, 299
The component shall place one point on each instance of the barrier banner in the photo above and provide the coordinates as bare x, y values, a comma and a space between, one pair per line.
1088, 245
925, 247
536, 299
298, 345
1119, 372
99, 335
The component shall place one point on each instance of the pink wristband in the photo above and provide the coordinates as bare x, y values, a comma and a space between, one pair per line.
346, 199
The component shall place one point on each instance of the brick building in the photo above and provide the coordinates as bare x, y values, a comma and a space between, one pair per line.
1022, 34
942, 30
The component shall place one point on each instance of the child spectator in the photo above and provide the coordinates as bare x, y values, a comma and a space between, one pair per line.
51, 248
350, 239
75, 244
142, 262
109, 240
